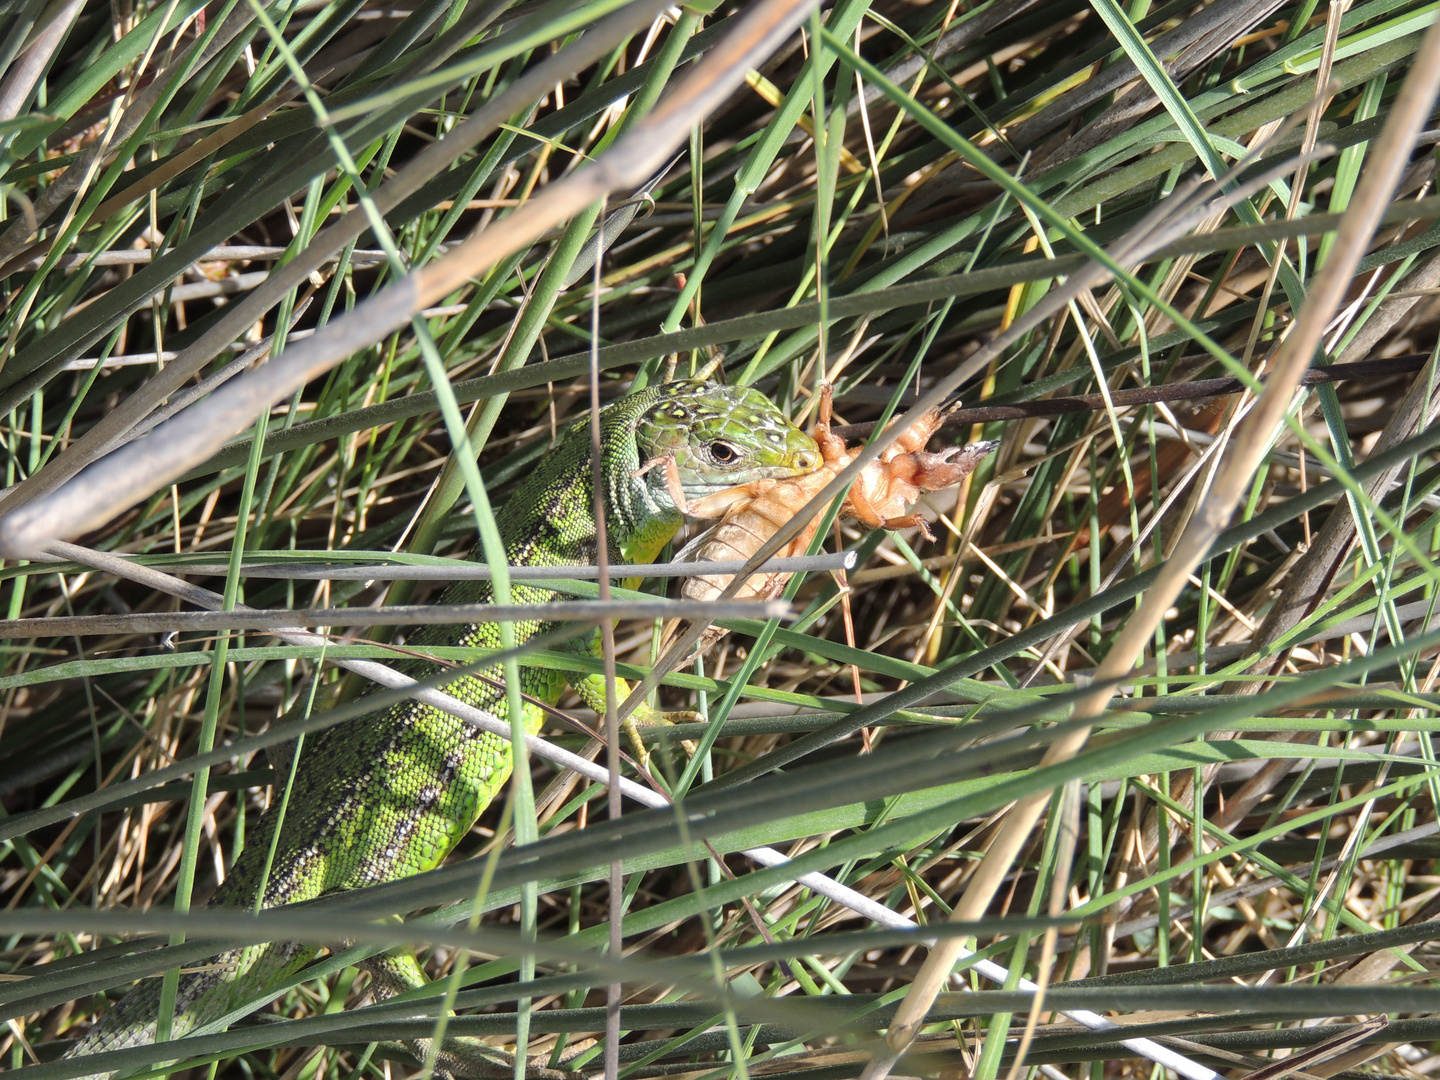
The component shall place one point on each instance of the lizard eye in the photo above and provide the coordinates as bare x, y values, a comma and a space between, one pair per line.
724, 453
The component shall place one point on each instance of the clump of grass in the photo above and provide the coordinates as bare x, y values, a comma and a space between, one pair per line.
1238, 860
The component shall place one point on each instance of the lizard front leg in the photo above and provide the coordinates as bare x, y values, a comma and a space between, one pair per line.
591, 689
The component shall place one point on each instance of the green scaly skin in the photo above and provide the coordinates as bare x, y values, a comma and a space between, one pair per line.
390, 794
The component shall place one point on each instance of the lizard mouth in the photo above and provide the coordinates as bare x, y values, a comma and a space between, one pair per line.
697, 490
697, 487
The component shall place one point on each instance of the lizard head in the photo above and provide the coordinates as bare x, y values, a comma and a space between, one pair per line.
723, 435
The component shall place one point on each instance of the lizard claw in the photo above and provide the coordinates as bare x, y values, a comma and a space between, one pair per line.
633, 723
673, 486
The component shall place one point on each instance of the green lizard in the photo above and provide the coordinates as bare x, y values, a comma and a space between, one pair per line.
388, 795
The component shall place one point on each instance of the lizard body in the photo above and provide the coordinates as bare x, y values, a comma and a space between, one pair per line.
391, 793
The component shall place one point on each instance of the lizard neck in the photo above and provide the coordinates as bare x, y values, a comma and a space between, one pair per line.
640, 517
557, 525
